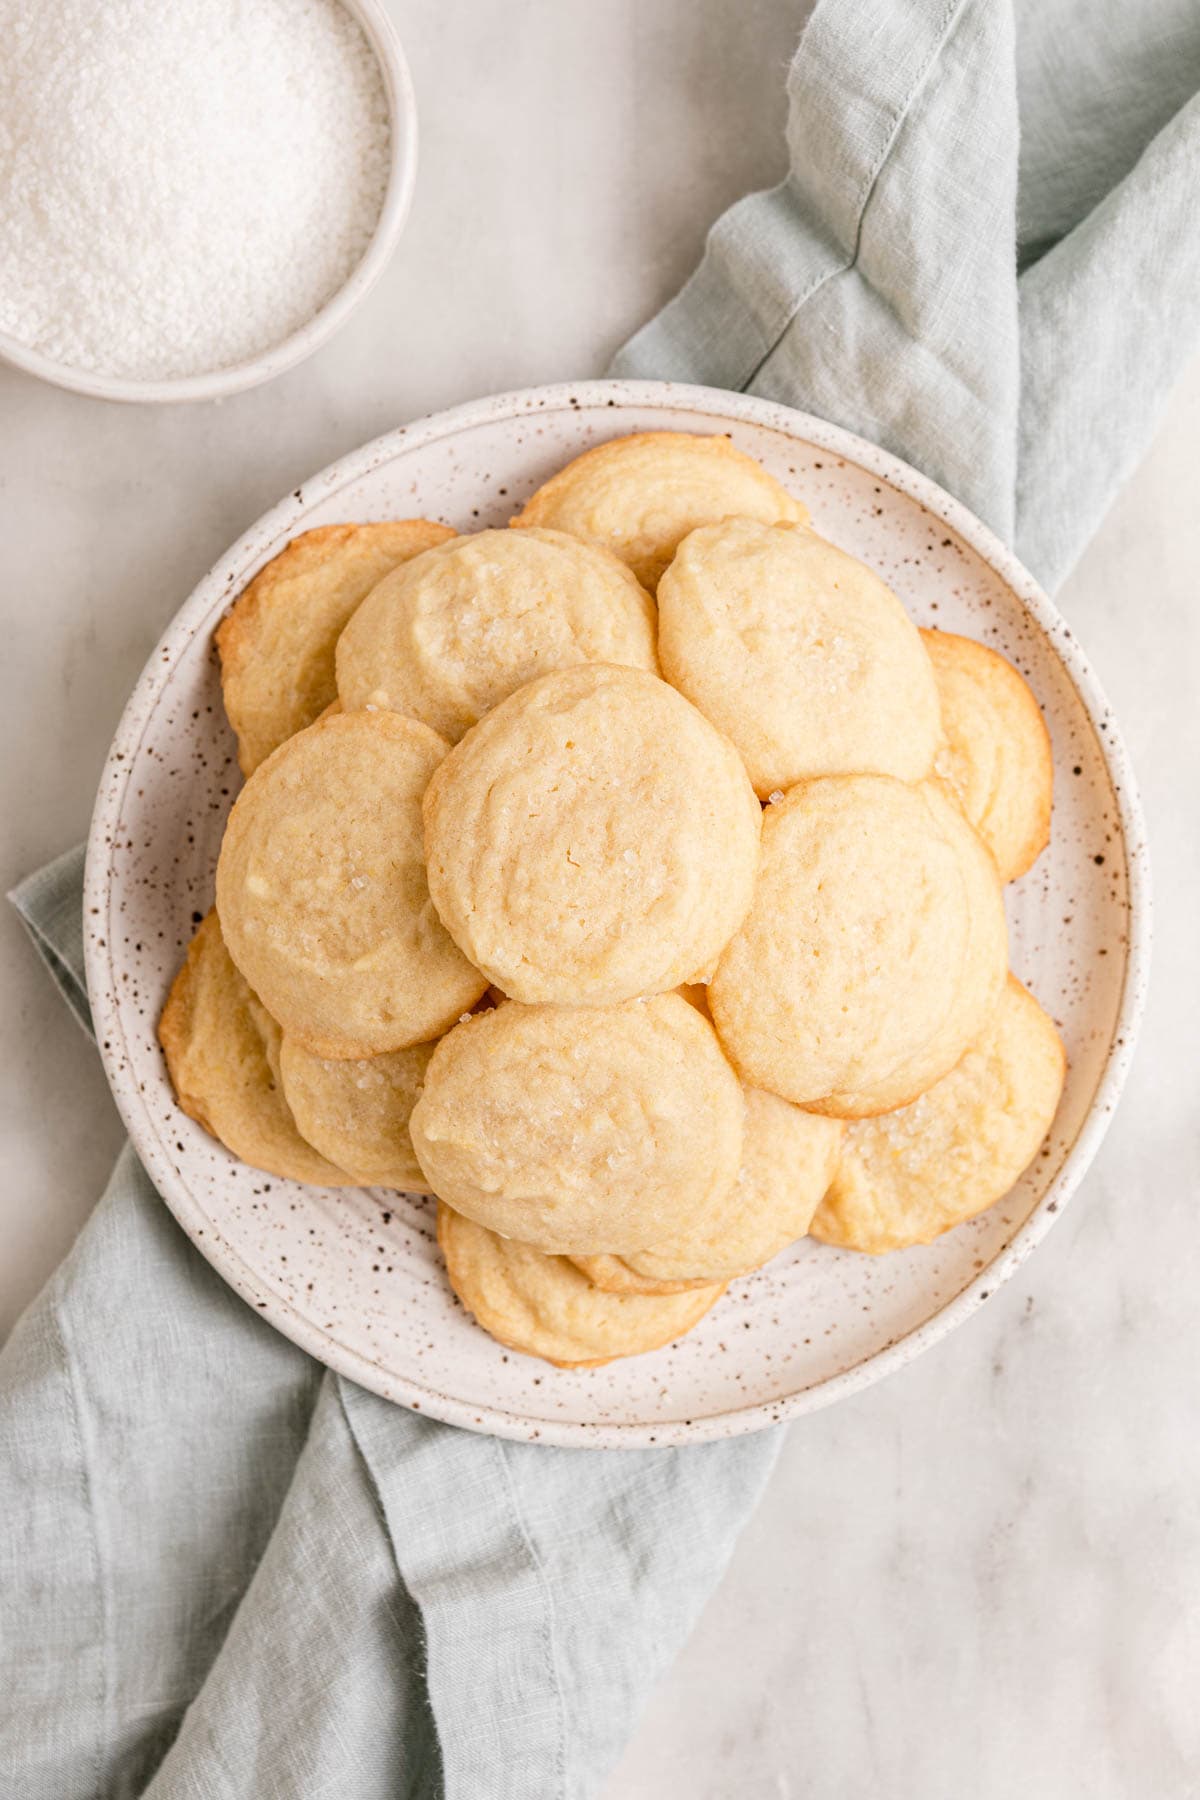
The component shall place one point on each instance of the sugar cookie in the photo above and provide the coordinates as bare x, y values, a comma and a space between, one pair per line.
860, 943
452, 632
638, 496
356, 1111
799, 653
215, 1037
984, 970
591, 839
996, 758
322, 893
788, 1160
581, 1129
907, 1176
277, 641
543, 1306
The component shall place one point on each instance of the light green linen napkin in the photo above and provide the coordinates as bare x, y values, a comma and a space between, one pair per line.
228, 1574
878, 285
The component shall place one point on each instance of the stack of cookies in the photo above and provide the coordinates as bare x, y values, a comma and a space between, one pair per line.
629, 879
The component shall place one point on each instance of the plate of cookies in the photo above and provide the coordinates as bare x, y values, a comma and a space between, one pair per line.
617, 914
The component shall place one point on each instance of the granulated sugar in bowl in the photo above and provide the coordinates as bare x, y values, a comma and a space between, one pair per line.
193, 193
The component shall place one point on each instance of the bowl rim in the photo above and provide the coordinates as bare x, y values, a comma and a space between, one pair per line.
219, 384
240, 561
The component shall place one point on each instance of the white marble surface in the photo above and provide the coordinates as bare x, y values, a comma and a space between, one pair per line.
981, 1578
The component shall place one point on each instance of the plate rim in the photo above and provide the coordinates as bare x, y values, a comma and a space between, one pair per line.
217, 585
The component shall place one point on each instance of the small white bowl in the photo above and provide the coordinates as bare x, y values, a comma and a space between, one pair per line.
218, 383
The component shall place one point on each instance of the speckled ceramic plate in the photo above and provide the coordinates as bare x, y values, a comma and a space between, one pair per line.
354, 1276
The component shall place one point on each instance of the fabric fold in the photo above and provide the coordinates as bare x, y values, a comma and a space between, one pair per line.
151, 1425
50, 902
876, 287
319, 1686
586, 1565
1108, 317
